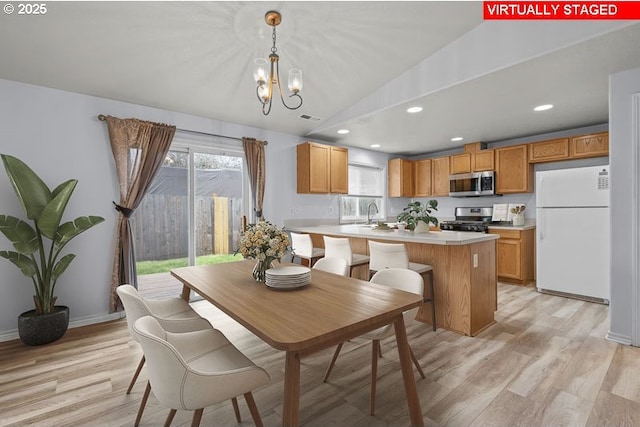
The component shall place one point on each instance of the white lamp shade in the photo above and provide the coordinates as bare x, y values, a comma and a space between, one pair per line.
295, 80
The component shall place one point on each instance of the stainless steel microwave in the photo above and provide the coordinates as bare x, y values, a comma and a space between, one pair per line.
472, 184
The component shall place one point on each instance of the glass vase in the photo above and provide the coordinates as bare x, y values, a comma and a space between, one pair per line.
260, 269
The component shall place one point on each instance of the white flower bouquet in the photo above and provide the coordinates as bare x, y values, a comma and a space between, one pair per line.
264, 242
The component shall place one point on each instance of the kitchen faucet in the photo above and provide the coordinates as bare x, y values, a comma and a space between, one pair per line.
369, 211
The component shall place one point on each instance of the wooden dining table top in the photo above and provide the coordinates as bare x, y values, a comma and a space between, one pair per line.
305, 319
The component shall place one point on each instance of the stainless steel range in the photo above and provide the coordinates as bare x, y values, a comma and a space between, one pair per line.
469, 219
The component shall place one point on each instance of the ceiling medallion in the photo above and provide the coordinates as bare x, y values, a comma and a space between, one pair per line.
265, 82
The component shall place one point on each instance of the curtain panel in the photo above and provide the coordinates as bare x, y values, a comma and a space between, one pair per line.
139, 149
254, 153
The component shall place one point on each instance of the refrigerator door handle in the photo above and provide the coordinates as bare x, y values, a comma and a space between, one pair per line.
540, 225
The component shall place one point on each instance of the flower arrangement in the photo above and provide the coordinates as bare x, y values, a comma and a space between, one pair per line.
264, 242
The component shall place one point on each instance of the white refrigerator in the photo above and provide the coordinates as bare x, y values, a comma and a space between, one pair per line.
573, 233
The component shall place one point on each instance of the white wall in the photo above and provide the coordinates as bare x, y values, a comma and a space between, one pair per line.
624, 98
58, 134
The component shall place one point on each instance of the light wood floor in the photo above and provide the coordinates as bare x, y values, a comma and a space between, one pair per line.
544, 363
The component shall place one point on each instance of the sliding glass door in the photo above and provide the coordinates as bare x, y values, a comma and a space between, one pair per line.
192, 212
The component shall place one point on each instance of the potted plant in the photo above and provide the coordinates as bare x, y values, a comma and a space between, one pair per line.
38, 247
417, 215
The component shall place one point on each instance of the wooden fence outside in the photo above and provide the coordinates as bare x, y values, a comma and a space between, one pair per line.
161, 221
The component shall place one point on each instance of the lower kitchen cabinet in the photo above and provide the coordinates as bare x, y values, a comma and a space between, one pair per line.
515, 255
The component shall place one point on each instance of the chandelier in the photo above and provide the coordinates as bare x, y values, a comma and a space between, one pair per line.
266, 81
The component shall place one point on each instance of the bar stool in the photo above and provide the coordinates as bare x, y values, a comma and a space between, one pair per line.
302, 247
340, 247
394, 255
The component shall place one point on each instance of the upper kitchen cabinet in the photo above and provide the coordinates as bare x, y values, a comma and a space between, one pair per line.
460, 163
339, 176
422, 175
514, 174
594, 145
549, 151
322, 169
483, 160
440, 176
400, 178
477, 161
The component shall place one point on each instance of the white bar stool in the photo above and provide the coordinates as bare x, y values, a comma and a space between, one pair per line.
394, 255
340, 247
302, 247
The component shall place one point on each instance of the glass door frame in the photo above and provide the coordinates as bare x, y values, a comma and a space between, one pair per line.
184, 144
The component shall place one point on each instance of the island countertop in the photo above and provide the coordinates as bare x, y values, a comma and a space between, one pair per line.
369, 231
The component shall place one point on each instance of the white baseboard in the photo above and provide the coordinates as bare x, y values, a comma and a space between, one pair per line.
620, 339
84, 321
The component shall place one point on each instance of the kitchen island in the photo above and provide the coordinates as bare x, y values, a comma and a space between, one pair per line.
464, 269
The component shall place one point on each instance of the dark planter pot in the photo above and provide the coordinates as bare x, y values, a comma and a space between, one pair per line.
43, 329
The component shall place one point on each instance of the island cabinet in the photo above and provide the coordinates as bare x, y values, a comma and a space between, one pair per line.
589, 145
440, 176
514, 173
515, 255
322, 169
464, 270
400, 178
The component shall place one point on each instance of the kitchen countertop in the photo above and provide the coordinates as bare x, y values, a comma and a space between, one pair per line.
369, 231
512, 227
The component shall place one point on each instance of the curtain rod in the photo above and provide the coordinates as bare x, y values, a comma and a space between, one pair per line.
102, 118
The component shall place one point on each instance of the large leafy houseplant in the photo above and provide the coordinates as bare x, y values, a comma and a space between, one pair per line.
38, 246
416, 211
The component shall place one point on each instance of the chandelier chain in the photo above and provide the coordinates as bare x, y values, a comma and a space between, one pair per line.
274, 49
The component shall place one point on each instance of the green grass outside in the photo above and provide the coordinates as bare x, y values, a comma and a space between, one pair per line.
150, 267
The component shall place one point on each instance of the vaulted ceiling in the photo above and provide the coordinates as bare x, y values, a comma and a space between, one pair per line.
364, 63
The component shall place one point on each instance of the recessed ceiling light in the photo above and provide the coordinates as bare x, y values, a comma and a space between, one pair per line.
343, 131
375, 145
414, 109
457, 138
543, 107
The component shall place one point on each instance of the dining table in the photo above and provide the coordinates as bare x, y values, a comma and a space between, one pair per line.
326, 311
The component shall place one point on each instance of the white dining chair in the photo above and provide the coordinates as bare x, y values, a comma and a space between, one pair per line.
174, 314
394, 255
398, 278
194, 370
333, 265
340, 247
302, 247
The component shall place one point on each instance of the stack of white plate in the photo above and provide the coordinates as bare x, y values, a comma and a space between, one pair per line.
288, 277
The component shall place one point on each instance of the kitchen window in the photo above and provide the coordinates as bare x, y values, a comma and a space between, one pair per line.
366, 186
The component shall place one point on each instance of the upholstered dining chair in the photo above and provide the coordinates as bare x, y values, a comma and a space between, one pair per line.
194, 370
398, 278
340, 247
302, 247
174, 314
333, 265
394, 255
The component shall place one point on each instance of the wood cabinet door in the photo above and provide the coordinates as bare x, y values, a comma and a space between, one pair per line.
313, 162
422, 177
483, 161
460, 163
594, 145
400, 178
509, 259
440, 176
514, 174
339, 175
549, 151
